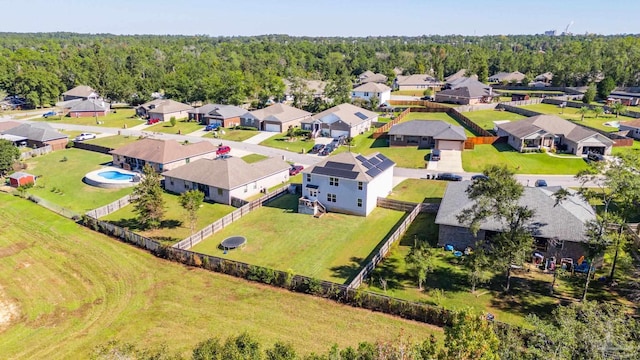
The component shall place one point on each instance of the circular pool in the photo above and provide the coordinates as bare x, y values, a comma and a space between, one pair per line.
111, 178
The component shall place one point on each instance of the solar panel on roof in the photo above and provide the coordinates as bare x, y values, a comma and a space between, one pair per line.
385, 164
361, 115
375, 161
345, 174
373, 172
361, 158
337, 165
382, 157
367, 164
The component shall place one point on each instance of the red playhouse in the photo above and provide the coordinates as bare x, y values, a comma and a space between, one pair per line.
18, 179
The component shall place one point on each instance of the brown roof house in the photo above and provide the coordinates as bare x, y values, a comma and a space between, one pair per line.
416, 82
428, 134
552, 132
216, 114
81, 92
632, 127
341, 120
509, 77
276, 118
39, 135
465, 91
223, 179
162, 155
163, 109
369, 76
558, 229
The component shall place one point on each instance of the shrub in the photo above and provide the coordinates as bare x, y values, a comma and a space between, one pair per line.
173, 121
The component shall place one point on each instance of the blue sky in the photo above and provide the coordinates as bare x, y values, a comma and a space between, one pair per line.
321, 17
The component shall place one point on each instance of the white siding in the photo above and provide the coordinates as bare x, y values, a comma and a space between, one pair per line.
255, 187
382, 96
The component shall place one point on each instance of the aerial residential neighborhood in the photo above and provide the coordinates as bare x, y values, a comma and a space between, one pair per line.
363, 195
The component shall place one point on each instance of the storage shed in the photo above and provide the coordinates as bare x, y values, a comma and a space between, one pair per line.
18, 179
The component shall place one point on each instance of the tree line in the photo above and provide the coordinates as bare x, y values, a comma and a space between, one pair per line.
235, 70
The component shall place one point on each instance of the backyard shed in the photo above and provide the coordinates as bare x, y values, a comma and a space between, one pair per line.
18, 179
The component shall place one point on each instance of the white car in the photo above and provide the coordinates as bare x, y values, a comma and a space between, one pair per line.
85, 136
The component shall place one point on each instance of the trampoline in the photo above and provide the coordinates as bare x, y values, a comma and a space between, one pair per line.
233, 242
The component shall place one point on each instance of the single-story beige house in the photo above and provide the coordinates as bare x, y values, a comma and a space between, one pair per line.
428, 134
80, 92
162, 155
276, 118
164, 109
341, 120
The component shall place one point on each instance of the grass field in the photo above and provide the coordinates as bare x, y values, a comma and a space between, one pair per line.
485, 118
115, 119
232, 135
535, 163
281, 141
251, 158
572, 115
114, 141
68, 289
621, 150
333, 247
419, 190
409, 157
175, 224
60, 181
183, 127
418, 93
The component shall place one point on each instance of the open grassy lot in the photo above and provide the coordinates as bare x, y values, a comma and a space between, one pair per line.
281, 141
572, 114
333, 247
68, 289
485, 118
419, 190
114, 141
175, 224
232, 134
115, 119
437, 116
60, 181
535, 163
182, 127
251, 158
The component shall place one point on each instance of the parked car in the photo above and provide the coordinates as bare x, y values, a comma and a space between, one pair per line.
49, 113
479, 177
295, 170
327, 150
212, 127
593, 156
316, 148
435, 155
85, 136
449, 177
540, 183
222, 150
153, 121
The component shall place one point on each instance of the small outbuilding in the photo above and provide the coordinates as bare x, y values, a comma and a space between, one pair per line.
18, 179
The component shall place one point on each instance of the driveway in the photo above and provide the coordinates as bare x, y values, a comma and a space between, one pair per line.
260, 137
450, 161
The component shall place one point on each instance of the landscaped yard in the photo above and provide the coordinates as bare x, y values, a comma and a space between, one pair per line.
115, 119
114, 141
534, 163
573, 115
281, 141
419, 190
183, 127
60, 181
175, 224
71, 289
485, 118
232, 134
333, 247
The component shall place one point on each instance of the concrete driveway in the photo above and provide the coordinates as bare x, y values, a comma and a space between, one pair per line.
450, 161
260, 137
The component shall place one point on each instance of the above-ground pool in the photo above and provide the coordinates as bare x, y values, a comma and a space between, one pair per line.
112, 177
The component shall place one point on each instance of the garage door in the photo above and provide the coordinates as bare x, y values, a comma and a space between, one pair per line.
449, 145
338, 133
215, 122
272, 127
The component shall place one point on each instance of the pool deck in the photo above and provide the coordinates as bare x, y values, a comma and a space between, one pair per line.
94, 179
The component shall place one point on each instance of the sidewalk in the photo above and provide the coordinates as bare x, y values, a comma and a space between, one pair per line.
262, 136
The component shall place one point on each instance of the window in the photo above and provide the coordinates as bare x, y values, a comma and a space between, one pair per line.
366, 94
187, 160
219, 192
360, 185
559, 244
171, 182
331, 197
246, 188
359, 202
186, 186
333, 181
313, 192
308, 177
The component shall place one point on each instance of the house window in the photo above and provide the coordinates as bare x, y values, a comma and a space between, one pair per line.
366, 94
353, 94
331, 197
333, 181
313, 192
187, 160
246, 188
308, 177
360, 185
171, 182
255, 185
186, 185
359, 202
219, 192
559, 244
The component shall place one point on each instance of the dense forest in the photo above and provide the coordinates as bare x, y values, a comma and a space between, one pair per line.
233, 70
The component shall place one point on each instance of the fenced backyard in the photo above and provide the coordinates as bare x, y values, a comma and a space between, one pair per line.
36, 152
110, 208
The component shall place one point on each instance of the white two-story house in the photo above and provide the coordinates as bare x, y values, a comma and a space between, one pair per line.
346, 183
371, 89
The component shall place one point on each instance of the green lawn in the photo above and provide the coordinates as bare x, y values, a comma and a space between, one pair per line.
408, 157
252, 158
175, 224
333, 247
71, 289
281, 141
618, 150
532, 92
114, 141
183, 127
232, 135
115, 119
572, 115
437, 116
419, 190
419, 93
485, 118
535, 163
60, 182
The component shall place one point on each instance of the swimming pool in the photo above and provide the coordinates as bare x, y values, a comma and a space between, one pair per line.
116, 175
112, 177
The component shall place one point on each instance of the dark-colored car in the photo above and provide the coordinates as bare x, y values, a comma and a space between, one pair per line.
593, 156
540, 183
223, 149
327, 149
49, 113
435, 155
295, 169
212, 127
316, 148
449, 177
479, 177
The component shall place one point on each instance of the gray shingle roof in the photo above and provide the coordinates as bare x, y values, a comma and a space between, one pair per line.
80, 91
551, 124
165, 106
416, 80
348, 113
280, 113
229, 173
224, 111
565, 221
372, 87
36, 132
469, 91
436, 129
90, 105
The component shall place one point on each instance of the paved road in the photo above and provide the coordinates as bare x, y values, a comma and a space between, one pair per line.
243, 148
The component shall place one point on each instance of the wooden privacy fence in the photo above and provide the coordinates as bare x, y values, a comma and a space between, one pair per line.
110, 208
92, 147
36, 152
227, 220
384, 249
479, 131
